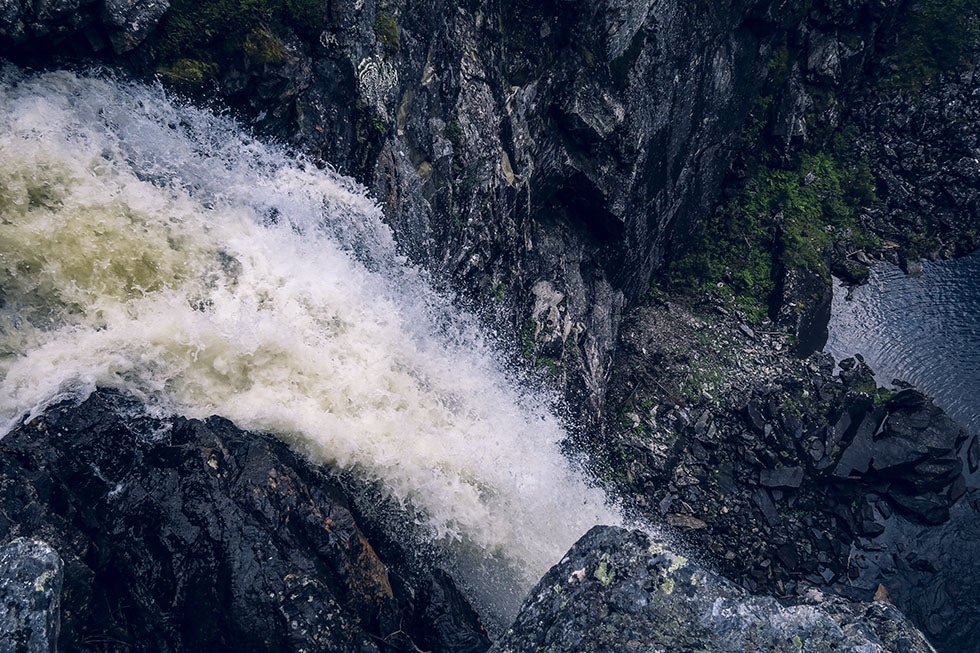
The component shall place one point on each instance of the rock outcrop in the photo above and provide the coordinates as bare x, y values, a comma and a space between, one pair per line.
545, 160
616, 590
794, 474
183, 535
31, 575
79, 27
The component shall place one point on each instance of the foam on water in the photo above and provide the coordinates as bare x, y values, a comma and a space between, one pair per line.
157, 248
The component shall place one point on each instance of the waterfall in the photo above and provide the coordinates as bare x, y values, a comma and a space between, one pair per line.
154, 247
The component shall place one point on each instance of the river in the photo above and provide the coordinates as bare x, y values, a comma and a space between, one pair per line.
923, 330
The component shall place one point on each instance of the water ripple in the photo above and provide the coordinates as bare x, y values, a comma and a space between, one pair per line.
924, 330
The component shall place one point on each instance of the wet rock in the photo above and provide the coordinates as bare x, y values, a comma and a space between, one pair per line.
918, 444
757, 420
788, 477
30, 597
764, 503
911, 265
973, 454
805, 299
130, 21
616, 590
929, 572
929, 508
187, 535
32, 30
803, 470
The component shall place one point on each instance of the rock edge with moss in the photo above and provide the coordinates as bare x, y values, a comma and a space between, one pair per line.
617, 590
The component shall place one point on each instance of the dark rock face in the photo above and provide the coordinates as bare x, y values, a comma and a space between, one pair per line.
546, 158
793, 475
31, 575
617, 591
923, 152
181, 535
76, 26
536, 157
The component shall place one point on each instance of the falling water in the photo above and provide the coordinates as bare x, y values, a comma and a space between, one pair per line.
157, 248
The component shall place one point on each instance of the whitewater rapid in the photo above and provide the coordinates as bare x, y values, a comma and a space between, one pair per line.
156, 248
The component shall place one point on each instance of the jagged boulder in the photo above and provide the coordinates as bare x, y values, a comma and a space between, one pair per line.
83, 26
30, 597
616, 590
187, 535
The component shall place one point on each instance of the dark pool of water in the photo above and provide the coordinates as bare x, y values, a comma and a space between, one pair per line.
924, 330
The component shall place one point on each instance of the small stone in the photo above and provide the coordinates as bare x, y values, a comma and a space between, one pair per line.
756, 420
687, 522
765, 505
928, 508
791, 477
881, 594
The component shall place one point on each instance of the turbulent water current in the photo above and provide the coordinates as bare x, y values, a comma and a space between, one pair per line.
923, 330
157, 248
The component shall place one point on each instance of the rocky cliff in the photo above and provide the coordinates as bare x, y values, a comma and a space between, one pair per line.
546, 160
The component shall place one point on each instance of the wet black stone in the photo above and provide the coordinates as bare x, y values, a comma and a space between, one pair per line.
31, 576
753, 411
789, 477
186, 535
765, 505
929, 508
788, 556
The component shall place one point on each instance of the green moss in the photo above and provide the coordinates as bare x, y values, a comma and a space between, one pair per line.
188, 71
215, 33
868, 388
386, 31
304, 13
549, 365
934, 37
264, 48
604, 574
210, 30
787, 218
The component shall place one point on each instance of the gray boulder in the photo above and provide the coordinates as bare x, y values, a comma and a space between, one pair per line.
615, 590
30, 597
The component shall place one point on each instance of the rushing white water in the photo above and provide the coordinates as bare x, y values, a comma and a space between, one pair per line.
157, 248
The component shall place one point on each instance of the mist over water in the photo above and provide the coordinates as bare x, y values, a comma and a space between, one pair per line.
924, 330
158, 249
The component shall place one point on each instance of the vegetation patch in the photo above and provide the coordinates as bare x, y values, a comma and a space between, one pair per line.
934, 37
263, 47
214, 33
386, 31
188, 71
788, 218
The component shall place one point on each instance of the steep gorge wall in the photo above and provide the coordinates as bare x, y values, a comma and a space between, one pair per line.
543, 159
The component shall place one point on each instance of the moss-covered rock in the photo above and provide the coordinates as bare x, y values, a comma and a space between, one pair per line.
386, 31
617, 591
